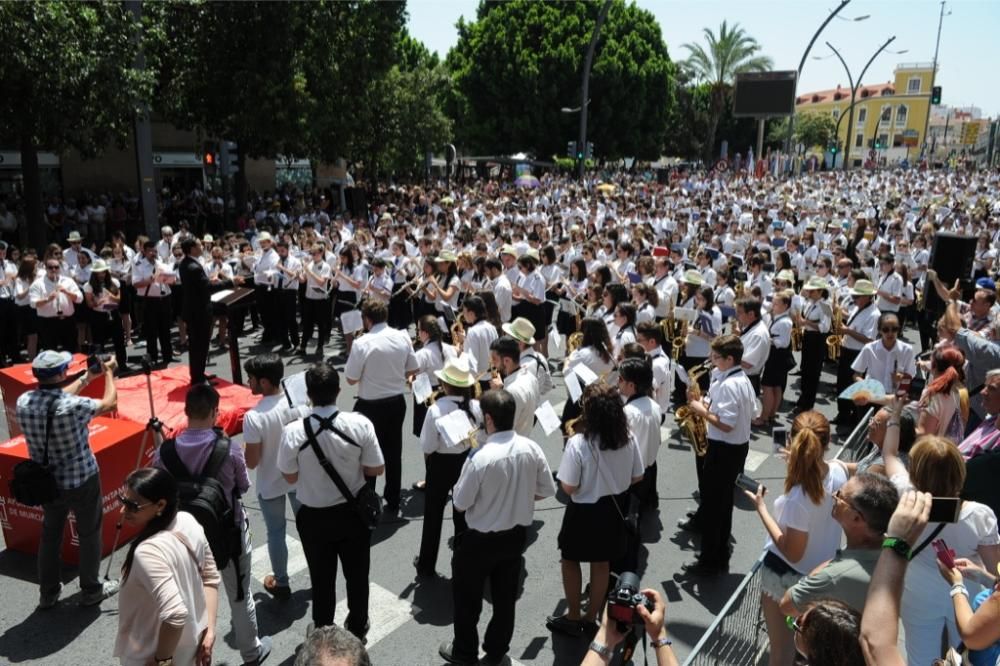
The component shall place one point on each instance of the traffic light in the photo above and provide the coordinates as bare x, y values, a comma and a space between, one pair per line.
229, 158
878, 145
590, 150
936, 95
210, 158
571, 149
833, 148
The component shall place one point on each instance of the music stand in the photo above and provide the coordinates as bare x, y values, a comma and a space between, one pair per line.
228, 303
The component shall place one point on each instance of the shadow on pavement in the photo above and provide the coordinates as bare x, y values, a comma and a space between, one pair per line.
45, 633
276, 615
23, 566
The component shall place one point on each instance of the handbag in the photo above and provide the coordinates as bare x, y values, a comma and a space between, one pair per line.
34, 484
366, 504
631, 514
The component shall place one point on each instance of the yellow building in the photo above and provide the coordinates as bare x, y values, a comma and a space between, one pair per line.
892, 115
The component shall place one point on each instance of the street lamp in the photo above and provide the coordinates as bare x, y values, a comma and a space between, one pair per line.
937, 44
802, 62
585, 84
854, 92
575, 109
855, 19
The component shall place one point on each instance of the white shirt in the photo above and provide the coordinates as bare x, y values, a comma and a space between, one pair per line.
524, 387
598, 473
666, 288
533, 284
430, 357
316, 290
477, 344
504, 296
314, 487
431, 439
663, 378
797, 511
265, 424
285, 281
817, 314
8, 274
380, 360
864, 322
499, 483
780, 331
892, 284
697, 346
879, 363
644, 422
61, 305
756, 347
589, 357
144, 270
731, 397
263, 271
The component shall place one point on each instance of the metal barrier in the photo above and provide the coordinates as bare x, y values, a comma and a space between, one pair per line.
737, 636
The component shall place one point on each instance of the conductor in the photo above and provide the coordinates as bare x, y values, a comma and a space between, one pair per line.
195, 308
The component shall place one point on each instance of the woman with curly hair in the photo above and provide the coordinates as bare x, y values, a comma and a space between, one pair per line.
802, 534
601, 461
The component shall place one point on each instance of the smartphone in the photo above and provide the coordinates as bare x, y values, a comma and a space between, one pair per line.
780, 437
944, 509
916, 388
94, 365
747, 483
903, 386
944, 553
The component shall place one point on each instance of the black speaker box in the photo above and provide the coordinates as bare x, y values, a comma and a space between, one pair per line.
952, 256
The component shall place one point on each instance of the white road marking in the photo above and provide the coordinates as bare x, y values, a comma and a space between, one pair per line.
261, 562
754, 460
665, 434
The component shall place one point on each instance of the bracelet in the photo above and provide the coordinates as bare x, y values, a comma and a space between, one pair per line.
959, 588
660, 642
891, 424
602, 650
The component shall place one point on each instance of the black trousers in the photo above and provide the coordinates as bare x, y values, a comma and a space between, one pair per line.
55, 332
754, 382
813, 353
267, 305
8, 331
199, 333
400, 311
723, 463
105, 326
482, 556
156, 321
328, 535
845, 377
442, 474
316, 314
387, 416
680, 388
288, 323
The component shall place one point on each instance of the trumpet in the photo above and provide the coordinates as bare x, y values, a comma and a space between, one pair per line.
834, 340
680, 339
693, 425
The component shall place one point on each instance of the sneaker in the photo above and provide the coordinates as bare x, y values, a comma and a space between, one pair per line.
563, 625
265, 652
282, 592
108, 589
47, 601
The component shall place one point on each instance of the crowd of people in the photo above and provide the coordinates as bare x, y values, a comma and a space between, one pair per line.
696, 300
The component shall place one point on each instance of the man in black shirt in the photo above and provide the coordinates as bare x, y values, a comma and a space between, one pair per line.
195, 307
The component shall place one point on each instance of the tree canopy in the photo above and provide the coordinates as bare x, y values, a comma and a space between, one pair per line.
520, 62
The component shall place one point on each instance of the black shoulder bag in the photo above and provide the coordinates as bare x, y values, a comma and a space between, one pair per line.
35, 484
366, 504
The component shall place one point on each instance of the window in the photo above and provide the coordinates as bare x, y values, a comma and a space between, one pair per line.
886, 114
862, 114
913, 85
883, 140
901, 114
859, 141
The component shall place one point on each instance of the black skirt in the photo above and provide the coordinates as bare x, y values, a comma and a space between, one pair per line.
346, 301
593, 532
779, 363
536, 315
27, 320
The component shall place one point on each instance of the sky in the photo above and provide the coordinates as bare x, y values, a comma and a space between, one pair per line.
969, 51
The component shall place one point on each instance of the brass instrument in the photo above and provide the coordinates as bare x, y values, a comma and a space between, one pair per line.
692, 424
457, 335
569, 428
574, 342
740, 290
419, 281
834, 340
680, 338
796, 337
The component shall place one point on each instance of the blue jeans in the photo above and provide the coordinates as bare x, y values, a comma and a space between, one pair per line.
273, 511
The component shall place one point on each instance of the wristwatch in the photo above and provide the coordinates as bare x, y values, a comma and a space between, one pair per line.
898, 546
602, 650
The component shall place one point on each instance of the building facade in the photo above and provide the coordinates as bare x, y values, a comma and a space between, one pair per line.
889, 118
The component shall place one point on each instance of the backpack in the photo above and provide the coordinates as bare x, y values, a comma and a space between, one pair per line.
204, 497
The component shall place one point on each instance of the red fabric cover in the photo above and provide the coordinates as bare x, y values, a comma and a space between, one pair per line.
169, 388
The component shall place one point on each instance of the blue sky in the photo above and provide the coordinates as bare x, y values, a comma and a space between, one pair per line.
970, 37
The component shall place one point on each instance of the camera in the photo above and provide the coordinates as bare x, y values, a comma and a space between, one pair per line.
95, 362
625, 599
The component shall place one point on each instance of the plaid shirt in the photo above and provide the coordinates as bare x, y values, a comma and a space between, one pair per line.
70, 458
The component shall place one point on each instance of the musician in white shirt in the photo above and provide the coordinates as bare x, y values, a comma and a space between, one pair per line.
316, 305
650, 336
152, 278
888, 359
860, 328
815, 321
54, 297
635, 383
889, 287
479, 335
505, 356
501, 288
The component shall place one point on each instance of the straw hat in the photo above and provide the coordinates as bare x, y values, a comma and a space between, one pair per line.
446, 256
785, 276
863, 288
99, 266
508, 249
521, 330
815, 283
264, 236
456, 372
693, 277
74, 237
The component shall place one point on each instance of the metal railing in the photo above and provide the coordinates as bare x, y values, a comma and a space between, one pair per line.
738, 636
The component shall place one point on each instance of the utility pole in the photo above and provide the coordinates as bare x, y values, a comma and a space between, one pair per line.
143, 132
585, 86
937, 45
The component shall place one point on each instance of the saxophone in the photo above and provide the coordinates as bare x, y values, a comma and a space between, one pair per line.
834, 339
574, 342
796, 337
680, 338
692, 424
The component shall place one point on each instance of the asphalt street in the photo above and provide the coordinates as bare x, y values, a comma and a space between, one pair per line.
409, 619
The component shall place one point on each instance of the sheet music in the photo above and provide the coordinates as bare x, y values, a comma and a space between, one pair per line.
573, 387
295, 388
454, 428
547, 418
219, 295
586, 375
351, 321
422, 388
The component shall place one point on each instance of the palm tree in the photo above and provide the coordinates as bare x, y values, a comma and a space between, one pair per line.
730, 53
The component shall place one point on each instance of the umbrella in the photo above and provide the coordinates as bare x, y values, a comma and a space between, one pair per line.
526, 180
606, 188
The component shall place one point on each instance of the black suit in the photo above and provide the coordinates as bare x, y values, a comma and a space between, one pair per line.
196, 311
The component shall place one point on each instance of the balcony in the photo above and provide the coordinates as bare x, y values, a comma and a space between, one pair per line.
914, 65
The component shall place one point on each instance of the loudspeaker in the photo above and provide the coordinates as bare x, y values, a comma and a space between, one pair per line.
952, 257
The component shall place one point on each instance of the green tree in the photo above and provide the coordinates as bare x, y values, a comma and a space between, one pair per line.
519, 63
811, 129
725, 55
66, 71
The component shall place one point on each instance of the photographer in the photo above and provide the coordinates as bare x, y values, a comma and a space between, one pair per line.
54, 419
608, 636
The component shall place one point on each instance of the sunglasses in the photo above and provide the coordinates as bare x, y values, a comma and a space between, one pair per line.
132, 506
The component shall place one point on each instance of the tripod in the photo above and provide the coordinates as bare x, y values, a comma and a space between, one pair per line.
153, 426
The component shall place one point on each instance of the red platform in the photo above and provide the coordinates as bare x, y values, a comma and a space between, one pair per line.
18, 379
169, 388
116, 444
